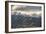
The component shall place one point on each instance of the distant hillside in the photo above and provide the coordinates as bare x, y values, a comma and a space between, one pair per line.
25, 21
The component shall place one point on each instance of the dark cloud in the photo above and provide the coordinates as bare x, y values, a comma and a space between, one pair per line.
29, 8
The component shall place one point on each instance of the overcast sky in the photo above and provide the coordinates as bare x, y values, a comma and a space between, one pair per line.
26, 8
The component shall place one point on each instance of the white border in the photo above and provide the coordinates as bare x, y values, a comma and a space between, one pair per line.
25, 29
